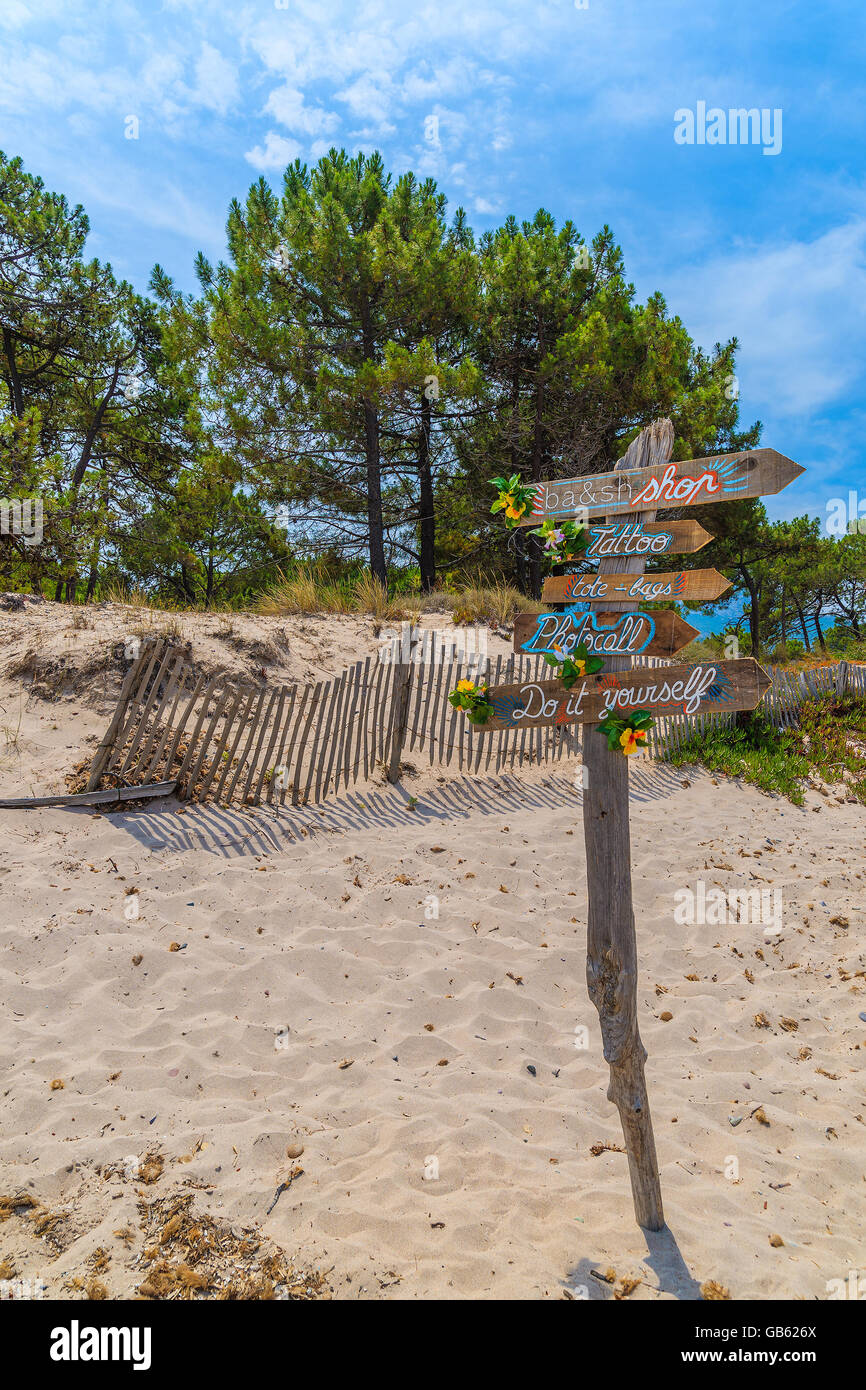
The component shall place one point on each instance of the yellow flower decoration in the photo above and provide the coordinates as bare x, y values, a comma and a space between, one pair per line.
465, 687
515, 512
629, 740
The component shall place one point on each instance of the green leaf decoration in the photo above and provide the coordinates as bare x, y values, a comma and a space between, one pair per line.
474, 703
613, 727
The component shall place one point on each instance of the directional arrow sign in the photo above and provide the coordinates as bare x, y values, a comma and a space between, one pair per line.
662, 633
721, 478
645, 538
645, 588
702, 688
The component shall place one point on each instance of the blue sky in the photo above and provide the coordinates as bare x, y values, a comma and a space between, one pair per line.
536, 104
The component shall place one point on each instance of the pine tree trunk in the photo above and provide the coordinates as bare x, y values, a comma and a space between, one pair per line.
803, 628
426, 500
374, 494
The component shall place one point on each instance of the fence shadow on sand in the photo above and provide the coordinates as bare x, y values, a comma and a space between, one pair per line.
230, 832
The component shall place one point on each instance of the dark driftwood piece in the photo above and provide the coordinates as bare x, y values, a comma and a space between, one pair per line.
91, 798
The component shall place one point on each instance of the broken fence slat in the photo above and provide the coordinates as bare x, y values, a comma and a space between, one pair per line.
92, 798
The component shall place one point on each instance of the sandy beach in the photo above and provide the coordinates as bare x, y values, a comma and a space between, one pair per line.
393, 991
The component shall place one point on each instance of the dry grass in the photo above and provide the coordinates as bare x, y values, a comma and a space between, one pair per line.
137, 598
486, 600
309, 591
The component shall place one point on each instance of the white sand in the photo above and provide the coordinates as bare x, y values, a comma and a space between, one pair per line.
316, 923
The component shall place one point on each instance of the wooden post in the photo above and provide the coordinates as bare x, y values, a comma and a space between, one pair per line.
400, 717
611, 953
400, 697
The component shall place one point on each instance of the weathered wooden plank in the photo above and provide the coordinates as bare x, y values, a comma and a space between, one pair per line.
222, 701
668, 586
399, 717
345, 722
182, 781
370, 722
182, 723
254, 760
327, 748
276, 784
242, 722
103, 753
133, 726
147, 701
489, 742
266, 764
251, 733
681, 689
312, 749
719, 478
296, 724
357, 715
174, 661
228, 722
446, 709
659, 633
179, 688
89, 798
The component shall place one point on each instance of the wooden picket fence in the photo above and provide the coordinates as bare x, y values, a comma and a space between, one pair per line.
228, 739
780, 704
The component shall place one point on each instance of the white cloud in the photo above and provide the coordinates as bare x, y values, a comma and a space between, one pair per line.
287, 105
368, 97
798, 310
276, 154
216, 80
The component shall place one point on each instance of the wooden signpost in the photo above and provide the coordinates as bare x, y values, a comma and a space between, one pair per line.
630, 538
643, 480
696, 585
693, 688
724, 478
663, 633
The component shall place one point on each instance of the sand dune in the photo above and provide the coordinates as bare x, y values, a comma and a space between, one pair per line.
440, 951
